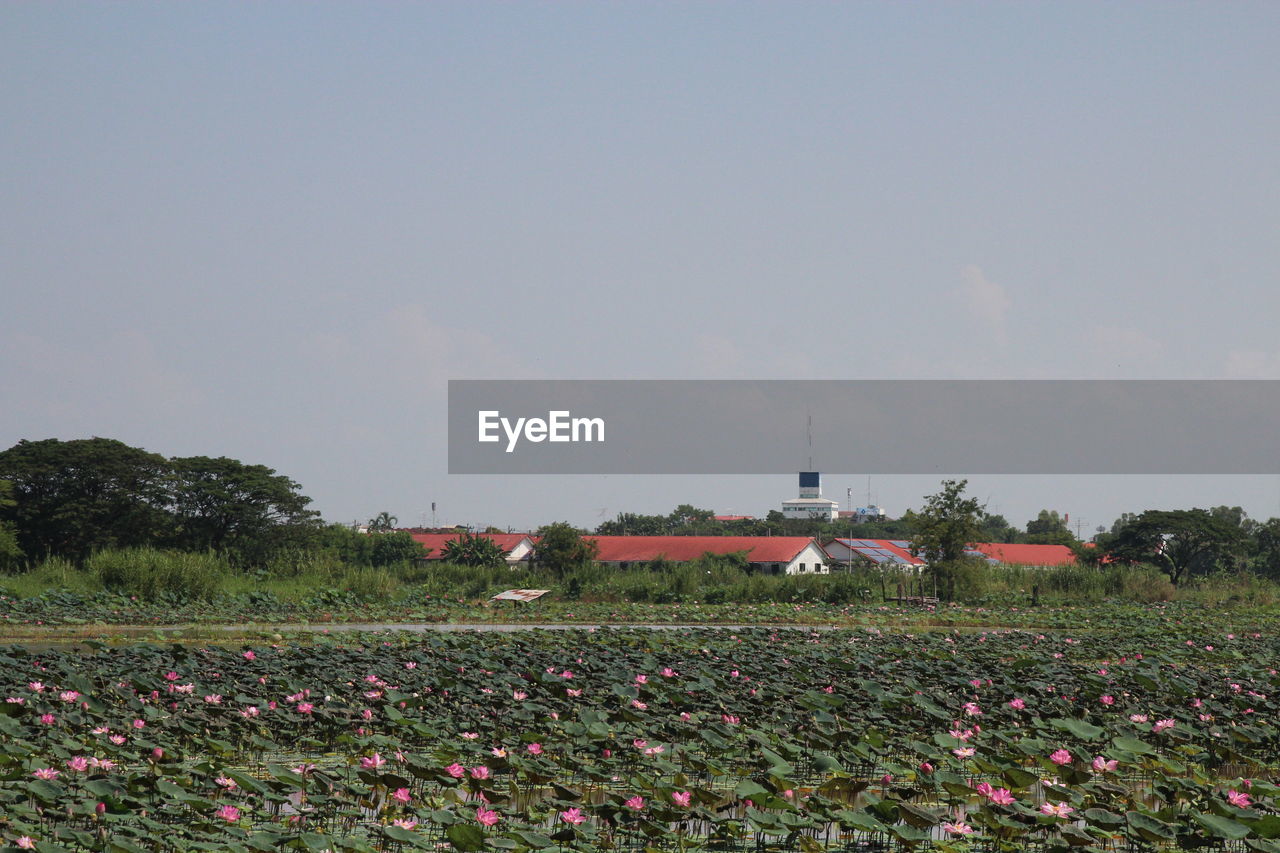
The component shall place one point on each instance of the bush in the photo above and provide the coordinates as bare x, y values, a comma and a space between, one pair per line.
152, 573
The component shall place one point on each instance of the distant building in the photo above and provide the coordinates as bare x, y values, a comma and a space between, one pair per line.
775, 555
516, 547
810, 504
898, 552
864, 514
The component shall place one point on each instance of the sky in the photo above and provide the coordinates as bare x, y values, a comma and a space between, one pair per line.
274, 231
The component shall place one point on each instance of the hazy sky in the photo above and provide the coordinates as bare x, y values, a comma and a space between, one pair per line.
273, 231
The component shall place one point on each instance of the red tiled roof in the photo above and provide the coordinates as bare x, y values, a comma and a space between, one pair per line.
1027, 555
759, 549
437, 541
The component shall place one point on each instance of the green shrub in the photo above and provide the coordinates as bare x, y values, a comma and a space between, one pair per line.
152, 573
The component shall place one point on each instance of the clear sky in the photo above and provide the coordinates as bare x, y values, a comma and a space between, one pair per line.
273, 231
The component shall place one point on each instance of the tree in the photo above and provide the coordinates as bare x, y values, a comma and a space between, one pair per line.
472, 549
561, 548
943, 530
1181, 542
1266, 560
75, 497
10, 551
996, 528
383, 522
223, 503
1048, 528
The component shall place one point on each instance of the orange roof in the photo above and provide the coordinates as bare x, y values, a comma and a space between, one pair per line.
1027, 555
759, 549
437, 541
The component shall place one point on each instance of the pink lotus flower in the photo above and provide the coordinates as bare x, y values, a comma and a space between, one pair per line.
642, 679
964, 752
305, 707
372, 762
171, 676
79, 763
47, 719
139, 724
636, 803
499, 752
1161, 725
668, 672
682, 798
1138, 718
486, 817
157, 753
1102, 765
958, 828
573, 816
304, 769
404, 823
1239, 800
519, 695
456, 770
224, 782
469, 735
1107, 700
1017, 704
26, 842
480, 772
729, 719
230, 814
1056, 809
972, 709
402, 795
1001, 797
534, 748
69, 695
46, 773
1060, 757
926, 767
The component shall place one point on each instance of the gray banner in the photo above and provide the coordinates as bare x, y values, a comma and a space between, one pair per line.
864, 426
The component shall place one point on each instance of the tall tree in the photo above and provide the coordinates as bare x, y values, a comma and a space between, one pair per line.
1048, 528
561, 548
944, 527
1181, 542
74, 497
223, 503
383, 522
10, 550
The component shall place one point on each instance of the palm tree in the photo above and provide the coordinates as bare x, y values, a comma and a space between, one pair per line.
384, 522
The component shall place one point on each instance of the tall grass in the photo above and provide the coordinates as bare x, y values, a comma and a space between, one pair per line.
151, 572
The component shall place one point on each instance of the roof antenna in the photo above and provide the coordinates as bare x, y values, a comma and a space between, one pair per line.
809, 431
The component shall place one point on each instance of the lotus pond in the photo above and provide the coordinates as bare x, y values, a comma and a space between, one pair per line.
1142, 734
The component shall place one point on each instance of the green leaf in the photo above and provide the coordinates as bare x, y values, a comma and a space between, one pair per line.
1221, 827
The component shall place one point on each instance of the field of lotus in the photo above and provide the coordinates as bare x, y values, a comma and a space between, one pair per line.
1144, 736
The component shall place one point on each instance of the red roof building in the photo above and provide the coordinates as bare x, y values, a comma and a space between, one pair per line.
515, 546
771, 554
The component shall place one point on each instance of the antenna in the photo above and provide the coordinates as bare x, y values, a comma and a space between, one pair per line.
809, 432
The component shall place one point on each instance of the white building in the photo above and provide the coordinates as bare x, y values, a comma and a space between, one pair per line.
810, 504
